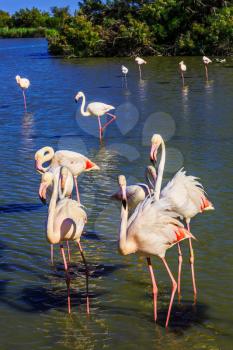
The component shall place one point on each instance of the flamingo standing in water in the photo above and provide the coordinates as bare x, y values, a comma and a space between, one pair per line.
76, 162
183, 69
206, 61
150, 230
96, 109
124, 70
185, 196
140, 61
65, 222
23, 84
138, 192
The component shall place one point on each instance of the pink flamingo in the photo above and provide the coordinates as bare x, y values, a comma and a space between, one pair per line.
138, 192
65, 222
96, 109
150, 230
186, 197
206, 61
23, 84
183, 69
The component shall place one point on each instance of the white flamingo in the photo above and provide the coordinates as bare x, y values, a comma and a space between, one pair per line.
140, 61
150, 230
185, 196
206, 61
96, 109
24, 84
65, 222
183, 69
75, 162
138, 192
124, 70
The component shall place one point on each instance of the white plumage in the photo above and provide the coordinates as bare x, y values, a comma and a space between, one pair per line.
24, 83
124, 70
140, 60
206, 60
183, 66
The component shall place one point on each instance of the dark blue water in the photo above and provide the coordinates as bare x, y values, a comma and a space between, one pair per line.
196, 122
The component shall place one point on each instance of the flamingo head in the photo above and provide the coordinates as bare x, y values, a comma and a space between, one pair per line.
17, 78
122, 184
78, 96
46, 181
43, 155
155, 143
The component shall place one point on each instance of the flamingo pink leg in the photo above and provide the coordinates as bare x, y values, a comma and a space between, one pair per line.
174, 287
110, 121
100, 129
67, 277
182, 76
140, 72
155, 288
76, 187
180, 260
192, 267
87, 275
68, 252
206, 72
24, 99
51, 254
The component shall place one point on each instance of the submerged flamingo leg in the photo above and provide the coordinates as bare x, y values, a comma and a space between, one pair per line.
180, 260
24, 99
174, 287
67, 277
87, 276
68, 251
140, 72
100, 129
51, 254
192, 267
76, 187
110, 121
154, 285
206, 72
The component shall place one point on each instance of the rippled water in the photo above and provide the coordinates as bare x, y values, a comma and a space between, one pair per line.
197, 122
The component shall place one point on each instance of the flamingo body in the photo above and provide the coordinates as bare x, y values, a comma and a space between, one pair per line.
124, 70
206, 60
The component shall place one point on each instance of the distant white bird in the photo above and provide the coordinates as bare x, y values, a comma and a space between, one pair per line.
183, 69
219, 60
140, 61
124, 70
96, 109
23, 84
206, 61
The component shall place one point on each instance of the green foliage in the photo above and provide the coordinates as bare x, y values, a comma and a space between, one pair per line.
129, 27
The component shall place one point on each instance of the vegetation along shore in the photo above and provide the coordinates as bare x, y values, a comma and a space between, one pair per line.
127, 28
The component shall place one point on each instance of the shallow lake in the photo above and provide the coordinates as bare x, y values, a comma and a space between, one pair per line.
197, 123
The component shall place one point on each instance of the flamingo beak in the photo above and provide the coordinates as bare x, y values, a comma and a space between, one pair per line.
153, 153
124, 197
38, 166
42, 192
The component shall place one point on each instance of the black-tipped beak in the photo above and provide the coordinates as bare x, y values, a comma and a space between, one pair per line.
75, 100
43, 200
124, 203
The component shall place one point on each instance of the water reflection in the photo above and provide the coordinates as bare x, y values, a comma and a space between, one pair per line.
185, 100
28, 129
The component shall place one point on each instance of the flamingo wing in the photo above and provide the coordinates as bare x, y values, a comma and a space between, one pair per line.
99, 108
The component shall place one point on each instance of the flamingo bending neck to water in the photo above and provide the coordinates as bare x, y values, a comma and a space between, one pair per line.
186, 196
150, 230
97, 109
183, 69
140, 61
23, 84
206, 61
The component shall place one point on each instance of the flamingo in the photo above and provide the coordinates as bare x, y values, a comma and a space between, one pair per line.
97, 109
138, 192
140, 61
124, 70
46, 189
206, 61
23, 84
186, 196
183, 69
151, 230
76, 162
65, 222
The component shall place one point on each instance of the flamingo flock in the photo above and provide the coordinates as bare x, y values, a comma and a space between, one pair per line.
152, 219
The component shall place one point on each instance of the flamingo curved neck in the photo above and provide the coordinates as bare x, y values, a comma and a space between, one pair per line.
160, 172
52, 207
84, 113
48, 156
122, 244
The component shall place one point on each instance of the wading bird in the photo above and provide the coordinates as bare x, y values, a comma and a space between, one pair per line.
65, 222
138, 192
96, 109
183, 69
184, 194
124, 70
23, 84
140, 61
150, 230
75, 162
206, 61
